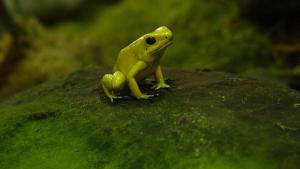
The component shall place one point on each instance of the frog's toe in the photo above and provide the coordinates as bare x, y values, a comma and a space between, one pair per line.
112, 97
159, 86
145, 96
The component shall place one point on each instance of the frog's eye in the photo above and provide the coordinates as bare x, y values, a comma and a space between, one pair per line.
150, 40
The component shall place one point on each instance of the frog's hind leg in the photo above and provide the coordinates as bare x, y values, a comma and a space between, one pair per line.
113, 83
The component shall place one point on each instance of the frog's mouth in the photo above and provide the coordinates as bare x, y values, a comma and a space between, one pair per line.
162, 47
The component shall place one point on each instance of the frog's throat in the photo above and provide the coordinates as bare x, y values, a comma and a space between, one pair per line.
162, 47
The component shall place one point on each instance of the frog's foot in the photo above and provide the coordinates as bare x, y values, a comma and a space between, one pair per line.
109, 93
112, 97
145, 96
160, 85
112, 83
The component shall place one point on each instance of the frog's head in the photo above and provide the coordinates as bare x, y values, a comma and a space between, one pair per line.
157, 40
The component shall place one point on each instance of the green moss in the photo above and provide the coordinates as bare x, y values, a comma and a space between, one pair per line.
207, 120
58, 151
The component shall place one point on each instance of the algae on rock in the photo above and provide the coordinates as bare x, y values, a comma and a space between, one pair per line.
207, 120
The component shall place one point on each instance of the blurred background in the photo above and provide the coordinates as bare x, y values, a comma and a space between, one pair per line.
42, 39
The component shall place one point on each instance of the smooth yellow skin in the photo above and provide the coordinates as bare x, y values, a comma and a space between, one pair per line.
138, 61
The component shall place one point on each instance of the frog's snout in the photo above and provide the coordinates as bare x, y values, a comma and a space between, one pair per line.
166, 31
169, 36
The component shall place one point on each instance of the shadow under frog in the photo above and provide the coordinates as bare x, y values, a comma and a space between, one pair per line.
136, 62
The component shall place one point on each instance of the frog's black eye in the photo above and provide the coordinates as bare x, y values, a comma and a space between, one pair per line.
150, 40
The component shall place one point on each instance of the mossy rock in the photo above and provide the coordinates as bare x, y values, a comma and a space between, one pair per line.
206, 120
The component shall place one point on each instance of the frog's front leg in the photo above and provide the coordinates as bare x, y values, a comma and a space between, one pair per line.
160, 79
113, 82
134, 88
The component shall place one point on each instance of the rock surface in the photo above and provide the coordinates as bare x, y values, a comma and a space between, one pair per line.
206, 120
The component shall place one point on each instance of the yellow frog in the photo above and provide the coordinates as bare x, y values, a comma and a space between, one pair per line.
138, 61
